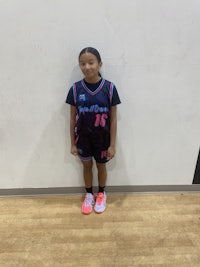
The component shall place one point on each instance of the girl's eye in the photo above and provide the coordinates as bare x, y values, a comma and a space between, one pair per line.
82, 64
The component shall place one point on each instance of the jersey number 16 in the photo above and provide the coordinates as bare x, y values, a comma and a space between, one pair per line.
100, 120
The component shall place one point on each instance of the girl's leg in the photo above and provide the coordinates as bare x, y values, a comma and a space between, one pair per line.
87, 173
102, 174
88, 202
100, 204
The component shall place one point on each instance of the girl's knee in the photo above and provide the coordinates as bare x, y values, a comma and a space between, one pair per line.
100, 166
87, 164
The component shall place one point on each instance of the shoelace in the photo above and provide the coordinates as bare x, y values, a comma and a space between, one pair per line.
88, 200
100, 197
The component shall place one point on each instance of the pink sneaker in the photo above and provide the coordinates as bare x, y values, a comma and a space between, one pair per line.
100, 204
88, 203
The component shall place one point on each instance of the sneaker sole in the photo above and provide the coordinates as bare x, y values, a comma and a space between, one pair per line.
98, 212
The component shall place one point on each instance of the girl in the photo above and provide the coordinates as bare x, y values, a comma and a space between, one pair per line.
93, 125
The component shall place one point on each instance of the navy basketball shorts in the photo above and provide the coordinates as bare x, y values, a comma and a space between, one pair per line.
93, 145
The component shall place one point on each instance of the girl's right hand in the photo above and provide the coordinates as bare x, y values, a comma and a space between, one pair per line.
74, 150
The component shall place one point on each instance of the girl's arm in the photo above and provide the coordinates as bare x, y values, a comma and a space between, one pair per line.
72, 125
113, 132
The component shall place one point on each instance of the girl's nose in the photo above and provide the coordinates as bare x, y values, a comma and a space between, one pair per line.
87, 66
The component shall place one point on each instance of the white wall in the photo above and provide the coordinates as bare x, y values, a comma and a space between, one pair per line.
150, 50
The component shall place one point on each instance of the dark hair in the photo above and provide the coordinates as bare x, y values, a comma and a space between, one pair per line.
92, 51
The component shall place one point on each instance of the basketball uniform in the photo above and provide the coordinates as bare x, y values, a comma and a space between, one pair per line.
93, 104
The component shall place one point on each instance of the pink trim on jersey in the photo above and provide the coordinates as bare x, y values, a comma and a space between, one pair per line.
76, 140
111, 92
96, 91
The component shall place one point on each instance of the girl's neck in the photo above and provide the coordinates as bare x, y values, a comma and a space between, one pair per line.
93, 80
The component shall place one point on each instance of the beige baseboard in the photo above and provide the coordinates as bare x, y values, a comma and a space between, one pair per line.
109, 189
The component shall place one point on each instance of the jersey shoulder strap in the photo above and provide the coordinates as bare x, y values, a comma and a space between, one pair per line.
74, 92
111, 87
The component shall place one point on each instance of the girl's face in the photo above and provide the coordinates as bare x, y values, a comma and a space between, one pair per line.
90, 67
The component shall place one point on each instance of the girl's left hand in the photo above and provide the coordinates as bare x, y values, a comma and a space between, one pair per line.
111, 152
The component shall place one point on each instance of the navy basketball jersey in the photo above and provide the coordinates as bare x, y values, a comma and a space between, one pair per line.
93, 107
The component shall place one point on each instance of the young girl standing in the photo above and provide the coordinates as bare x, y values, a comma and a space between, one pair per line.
93, 125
